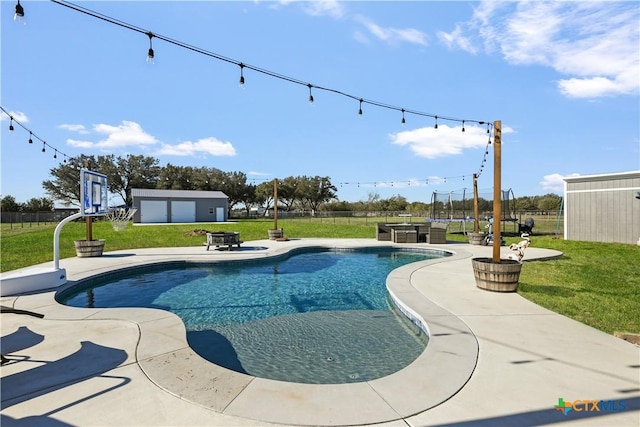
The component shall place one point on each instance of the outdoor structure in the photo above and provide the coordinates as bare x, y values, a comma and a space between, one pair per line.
603, 208
178, 206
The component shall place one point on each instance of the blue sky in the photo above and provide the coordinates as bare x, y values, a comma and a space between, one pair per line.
562, 77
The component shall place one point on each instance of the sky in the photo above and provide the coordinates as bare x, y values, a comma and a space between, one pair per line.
563, 78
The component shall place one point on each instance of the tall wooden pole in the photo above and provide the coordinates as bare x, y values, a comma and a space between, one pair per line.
497, 188
476, 220
275, 204
88, 219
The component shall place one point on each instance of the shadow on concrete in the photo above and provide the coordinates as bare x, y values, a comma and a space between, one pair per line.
552, 415
91, 360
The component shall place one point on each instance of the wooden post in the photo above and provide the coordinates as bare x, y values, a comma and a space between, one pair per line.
497, 188
275, 204
476, 220
89, 221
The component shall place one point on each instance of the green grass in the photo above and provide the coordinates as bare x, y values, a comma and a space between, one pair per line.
595, 283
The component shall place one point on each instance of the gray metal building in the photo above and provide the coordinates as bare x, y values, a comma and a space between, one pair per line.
175, 206
603, 208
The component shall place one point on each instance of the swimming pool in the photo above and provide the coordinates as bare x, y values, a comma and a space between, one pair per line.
314, 316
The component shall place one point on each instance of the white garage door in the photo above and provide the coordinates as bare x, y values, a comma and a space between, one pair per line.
183, 211
153, 211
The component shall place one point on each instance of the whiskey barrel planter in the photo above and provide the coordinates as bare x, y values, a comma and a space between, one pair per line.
89, 248
274, 234
476, 238
496, 277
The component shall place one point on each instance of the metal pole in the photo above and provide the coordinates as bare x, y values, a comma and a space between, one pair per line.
56, 238
497, 190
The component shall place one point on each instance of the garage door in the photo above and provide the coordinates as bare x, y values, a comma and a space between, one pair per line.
153, 211
183, 211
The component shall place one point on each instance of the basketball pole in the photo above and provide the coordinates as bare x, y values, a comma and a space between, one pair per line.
497, 189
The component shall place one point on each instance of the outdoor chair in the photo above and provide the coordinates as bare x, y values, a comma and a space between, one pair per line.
527, 227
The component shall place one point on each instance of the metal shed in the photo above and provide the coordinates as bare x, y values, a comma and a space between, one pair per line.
603, 208
178, 206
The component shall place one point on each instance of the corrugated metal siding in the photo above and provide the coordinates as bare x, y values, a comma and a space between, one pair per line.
188, 194
603, 208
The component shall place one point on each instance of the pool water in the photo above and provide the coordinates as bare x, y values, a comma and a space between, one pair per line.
318, 316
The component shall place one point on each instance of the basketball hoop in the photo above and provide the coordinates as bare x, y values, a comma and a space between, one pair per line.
120, 217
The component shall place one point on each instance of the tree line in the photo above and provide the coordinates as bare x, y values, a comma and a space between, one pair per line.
294, 192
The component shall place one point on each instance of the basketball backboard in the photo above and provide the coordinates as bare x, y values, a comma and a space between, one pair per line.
93, 193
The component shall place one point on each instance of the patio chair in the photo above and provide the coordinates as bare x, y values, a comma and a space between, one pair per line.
527, 227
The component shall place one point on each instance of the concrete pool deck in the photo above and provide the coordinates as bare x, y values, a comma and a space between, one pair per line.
493, 358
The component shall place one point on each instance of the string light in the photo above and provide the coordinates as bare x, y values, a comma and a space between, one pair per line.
11, 123
32, 135
19, 15
150, 53
310, 94
241, 74
254, 68
403, 121
436, 125
463, 126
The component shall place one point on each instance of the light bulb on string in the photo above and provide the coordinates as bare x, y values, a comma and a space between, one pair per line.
360, 109
55, 154
403, 120
150, 53
436, 125
43, 145
241, 75
10, 123
30, 137
310, 94
463, 126
19, 15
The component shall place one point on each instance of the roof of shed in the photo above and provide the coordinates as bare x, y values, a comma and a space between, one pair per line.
184, 194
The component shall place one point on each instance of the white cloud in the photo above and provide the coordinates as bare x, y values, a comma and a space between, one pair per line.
442, 142
555, 182
209, 145
126, 134
391, 35
80, 144
456, 39
594, 44
75, 128
17, 115
330, 8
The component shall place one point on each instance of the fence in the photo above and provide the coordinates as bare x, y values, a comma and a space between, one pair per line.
546, 222
30, 219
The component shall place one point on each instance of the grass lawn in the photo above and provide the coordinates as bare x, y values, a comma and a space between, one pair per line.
595, 283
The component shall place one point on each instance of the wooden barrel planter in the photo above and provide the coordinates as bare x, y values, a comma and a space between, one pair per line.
497, 277
89, 248
274, 234
476, 238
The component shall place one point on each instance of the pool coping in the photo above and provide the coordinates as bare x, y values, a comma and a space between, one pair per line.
167, 360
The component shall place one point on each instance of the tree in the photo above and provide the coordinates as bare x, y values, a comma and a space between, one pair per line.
264, 194
35, 204
288, 192
8, 204
315, 191
235, 187
65, 185
123, 174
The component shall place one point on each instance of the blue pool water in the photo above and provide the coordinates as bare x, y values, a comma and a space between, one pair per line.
317, 316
